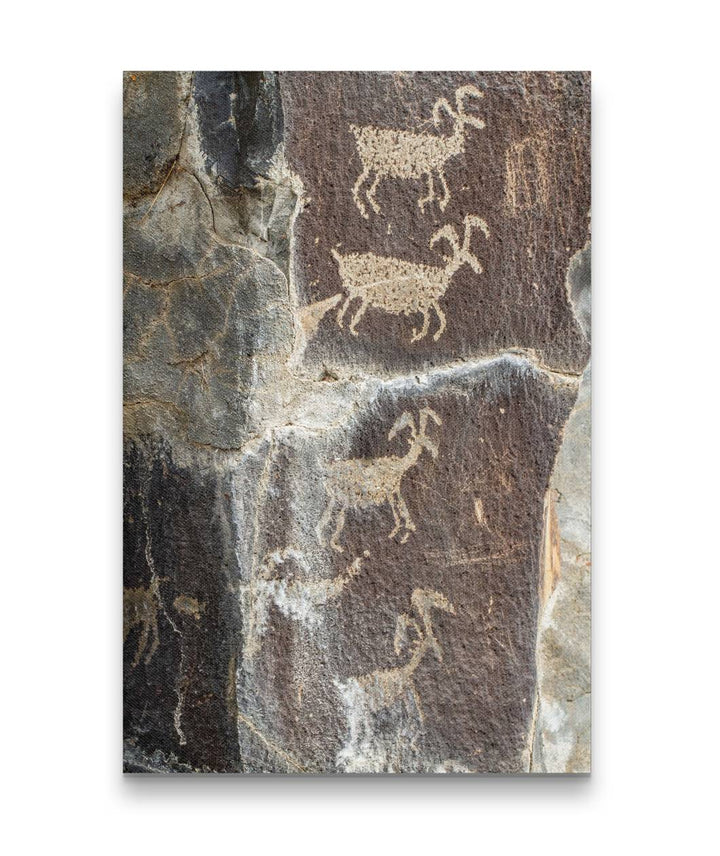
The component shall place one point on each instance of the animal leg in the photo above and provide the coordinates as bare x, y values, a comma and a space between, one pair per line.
396, 518
371, 193
340, 523
409, 525
358, 184
446, 198
343, 310
356, 318
155, 642
425, 327
431, 193
416, 702
441, 318
324, 520
142, 642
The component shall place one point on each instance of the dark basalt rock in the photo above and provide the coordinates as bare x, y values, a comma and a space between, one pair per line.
341, 544
181, 619
241, 124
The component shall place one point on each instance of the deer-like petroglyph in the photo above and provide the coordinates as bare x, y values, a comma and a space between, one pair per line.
298, 599
140, 608
388, 153
402, 287
359, 483
390, 689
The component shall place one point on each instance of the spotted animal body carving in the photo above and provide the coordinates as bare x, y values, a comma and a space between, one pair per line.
402, 287
387, 153
140, 607
384, 689
359, 483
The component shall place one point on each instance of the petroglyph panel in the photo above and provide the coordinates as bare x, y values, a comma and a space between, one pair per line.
356, 325
360, 484
387, 153
526, 173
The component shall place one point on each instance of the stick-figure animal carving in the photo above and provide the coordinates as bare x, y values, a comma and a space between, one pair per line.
387, 153
359, 483
295, 598
381, 690
140, 606
402, 287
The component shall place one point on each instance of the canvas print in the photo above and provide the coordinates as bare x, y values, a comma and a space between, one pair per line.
356, 422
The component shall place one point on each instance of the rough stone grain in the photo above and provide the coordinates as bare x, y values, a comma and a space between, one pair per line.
356, 541
563, 716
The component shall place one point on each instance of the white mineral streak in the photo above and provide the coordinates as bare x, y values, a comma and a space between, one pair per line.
391, 692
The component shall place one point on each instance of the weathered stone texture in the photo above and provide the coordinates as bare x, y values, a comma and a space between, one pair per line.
563, 715
354, 541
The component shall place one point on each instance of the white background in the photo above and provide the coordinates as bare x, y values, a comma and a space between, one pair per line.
656, 556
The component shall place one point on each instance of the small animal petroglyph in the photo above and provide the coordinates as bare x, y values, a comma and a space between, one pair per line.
186, 605
402, 287
387, 153
358, 483
387, 689
140, 607
295, 598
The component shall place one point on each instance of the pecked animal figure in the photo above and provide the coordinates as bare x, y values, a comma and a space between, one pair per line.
388, 153
402, 287
385, 689
359, 483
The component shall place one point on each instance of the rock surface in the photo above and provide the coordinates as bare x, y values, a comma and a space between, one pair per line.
356, 461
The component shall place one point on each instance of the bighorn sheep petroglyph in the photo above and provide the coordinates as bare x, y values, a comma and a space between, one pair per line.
381, 690
402, 287
295, 598
387, 153
358, 483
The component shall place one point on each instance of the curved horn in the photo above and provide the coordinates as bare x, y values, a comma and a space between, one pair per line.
404, 623
429, 412
405, 421
451, 236
473, 222
440, 105
426, 413
465, 256
461, 95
